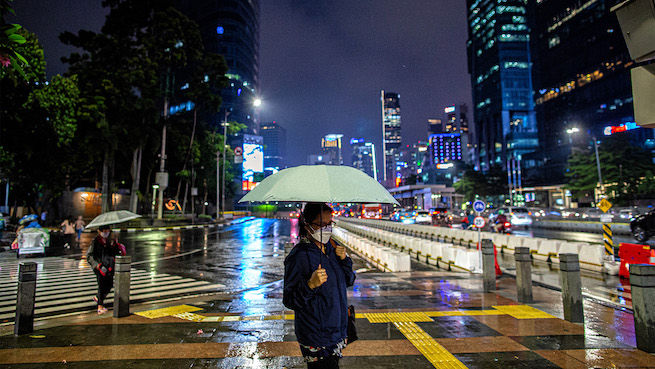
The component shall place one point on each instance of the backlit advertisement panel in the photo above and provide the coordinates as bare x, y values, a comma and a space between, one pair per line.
253, 160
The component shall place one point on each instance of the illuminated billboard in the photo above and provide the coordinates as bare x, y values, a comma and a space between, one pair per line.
253, 160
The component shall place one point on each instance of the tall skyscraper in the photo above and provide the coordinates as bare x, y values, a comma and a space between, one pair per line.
275, 145
391, 135
434, 126
231, 29
331, 145
363, 157
499, 64
581, 77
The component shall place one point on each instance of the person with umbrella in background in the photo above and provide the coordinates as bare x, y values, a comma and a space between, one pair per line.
101, 257
316, 275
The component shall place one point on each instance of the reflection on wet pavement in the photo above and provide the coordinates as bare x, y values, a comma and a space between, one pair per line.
246, 325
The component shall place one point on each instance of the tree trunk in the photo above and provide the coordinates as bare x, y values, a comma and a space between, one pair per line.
136, 178
104, 192
204, 202
186, 190
186, 159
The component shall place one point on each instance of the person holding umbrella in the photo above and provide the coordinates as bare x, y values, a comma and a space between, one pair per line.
316, 274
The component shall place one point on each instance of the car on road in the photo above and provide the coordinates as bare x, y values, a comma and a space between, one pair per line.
643, 226
423, 217
294, 214
407, 217
517, 216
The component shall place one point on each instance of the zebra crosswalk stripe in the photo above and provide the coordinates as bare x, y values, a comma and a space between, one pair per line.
66, 285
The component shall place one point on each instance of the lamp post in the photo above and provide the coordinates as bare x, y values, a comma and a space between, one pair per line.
573, 130
221, 195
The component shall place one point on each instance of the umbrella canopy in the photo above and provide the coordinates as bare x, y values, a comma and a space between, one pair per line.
28, 218
112, 217
320, 183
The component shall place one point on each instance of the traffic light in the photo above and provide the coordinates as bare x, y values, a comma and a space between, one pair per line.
637, 20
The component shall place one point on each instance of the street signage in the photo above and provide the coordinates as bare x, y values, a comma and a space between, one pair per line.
238, 151
478, 222
606, 218
604, 205
479, 206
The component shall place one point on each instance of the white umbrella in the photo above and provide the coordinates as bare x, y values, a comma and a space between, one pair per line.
112, 217
320, 183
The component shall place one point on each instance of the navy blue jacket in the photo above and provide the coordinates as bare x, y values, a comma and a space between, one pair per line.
321, 314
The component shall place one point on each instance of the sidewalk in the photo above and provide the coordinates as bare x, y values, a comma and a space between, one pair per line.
422, 319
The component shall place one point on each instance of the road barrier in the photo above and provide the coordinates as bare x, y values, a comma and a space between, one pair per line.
384, 258
523, 274
488, 267
571, 288
122, 286
24, 322
574, 225
642, 283
393, 234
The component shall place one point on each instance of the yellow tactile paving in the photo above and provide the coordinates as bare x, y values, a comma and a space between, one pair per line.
523, 312
433, 351
397, 317
172, 310
190, 316
463, 313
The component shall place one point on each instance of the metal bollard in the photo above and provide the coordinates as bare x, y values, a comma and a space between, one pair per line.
122, 286
523, 274
642, 282
569, 267
25, 300
488, 266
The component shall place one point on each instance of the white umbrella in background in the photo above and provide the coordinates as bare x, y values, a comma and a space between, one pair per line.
112, 217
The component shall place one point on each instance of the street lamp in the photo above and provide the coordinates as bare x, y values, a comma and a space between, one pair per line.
600, 178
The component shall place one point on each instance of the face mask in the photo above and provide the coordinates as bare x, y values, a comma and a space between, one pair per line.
322, 234
104, 234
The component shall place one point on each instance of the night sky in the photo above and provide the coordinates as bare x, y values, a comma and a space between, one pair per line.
323, 63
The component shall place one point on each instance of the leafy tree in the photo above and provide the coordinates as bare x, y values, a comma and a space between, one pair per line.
135, 66
625, 169
37, 126
10, 40
485, 185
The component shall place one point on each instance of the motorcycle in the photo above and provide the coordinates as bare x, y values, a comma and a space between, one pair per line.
505, 228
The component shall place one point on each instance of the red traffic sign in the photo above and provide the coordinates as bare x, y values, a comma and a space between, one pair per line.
238, 151
479, 222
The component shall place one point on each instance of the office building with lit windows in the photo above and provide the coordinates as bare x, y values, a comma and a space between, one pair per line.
499, 65
363, 157
392, 136
275, 145
581, 79
331, 145
231, 29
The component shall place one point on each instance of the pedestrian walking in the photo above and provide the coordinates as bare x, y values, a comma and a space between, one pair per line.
68, 227
317, 272
101, 257
79, 227
44, 216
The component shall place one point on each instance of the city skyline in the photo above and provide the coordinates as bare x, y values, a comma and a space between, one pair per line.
419, 52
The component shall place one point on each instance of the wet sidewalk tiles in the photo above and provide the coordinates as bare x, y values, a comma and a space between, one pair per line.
404, 320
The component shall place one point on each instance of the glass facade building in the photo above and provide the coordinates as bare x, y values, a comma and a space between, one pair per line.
499, 64
331, 145
231, 28
275, 145
391, 134
581, 77
363, 157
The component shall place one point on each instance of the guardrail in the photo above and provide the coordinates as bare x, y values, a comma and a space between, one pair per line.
591, 256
